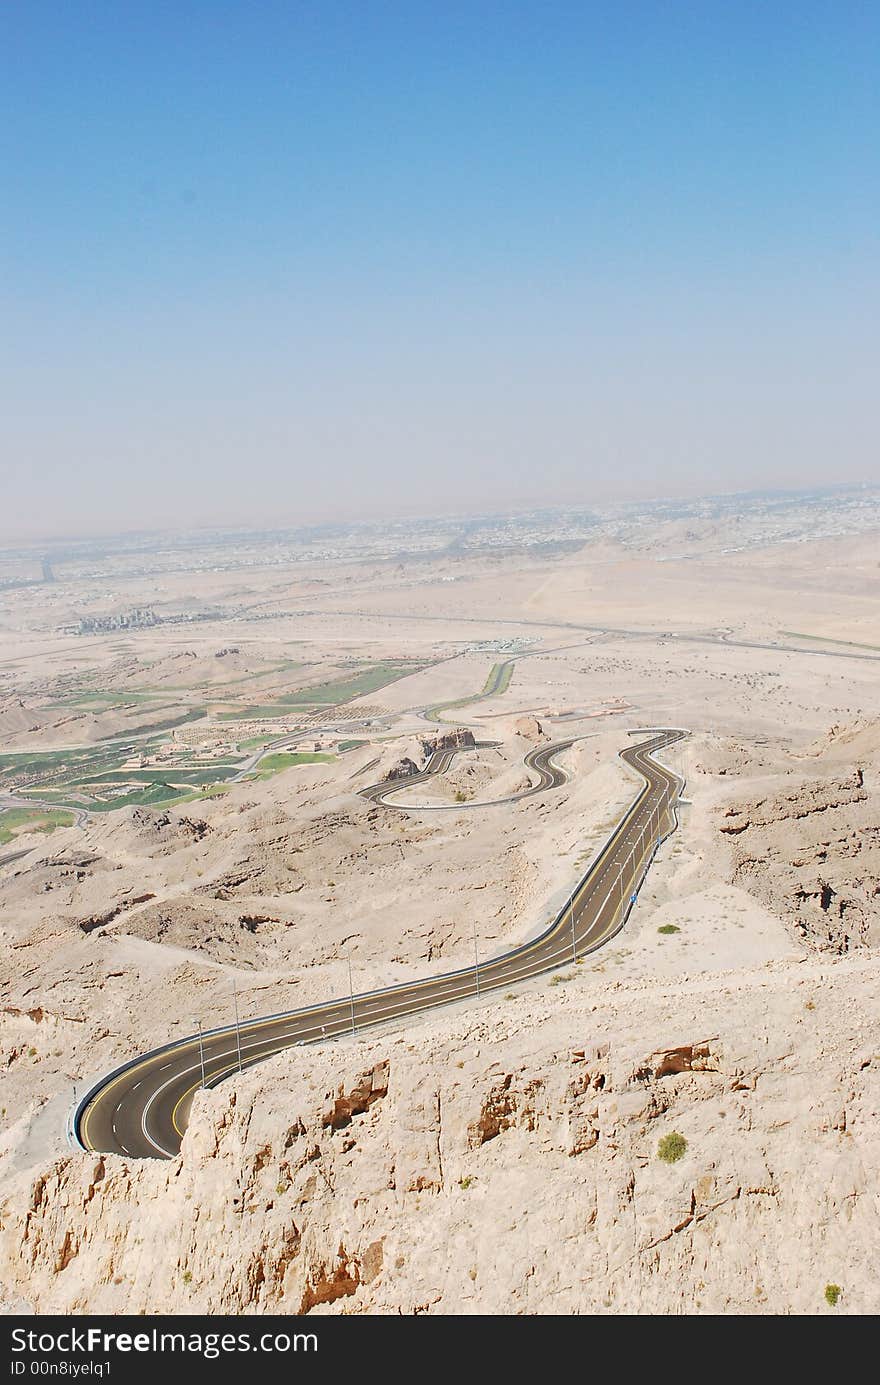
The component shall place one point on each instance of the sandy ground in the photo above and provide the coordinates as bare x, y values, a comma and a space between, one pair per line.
127, 930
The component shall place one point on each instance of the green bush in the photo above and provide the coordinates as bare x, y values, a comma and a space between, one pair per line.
832, 1294
465, 1183
671, 1147
669, 928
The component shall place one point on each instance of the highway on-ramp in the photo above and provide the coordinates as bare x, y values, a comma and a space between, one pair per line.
141, 1109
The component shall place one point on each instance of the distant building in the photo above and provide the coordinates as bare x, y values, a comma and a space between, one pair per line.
141, 618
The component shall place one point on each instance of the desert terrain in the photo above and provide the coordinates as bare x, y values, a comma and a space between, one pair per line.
185, 731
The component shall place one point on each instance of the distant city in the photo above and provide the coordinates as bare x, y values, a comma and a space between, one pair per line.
773, 516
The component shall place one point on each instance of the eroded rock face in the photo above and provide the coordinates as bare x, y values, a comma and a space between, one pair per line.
699, 1057
168, 825
401, 769
813, 854
529, 728
507, 1172
368, 1087
460, 738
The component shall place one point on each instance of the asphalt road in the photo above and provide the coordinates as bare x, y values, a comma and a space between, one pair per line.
142, 1109
550, 776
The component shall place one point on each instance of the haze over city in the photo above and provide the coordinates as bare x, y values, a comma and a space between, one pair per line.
307, 262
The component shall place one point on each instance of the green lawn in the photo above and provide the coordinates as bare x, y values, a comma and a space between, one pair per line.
162, 775
169, 724
110, 697
333, 694
369, 680
63, 776
261, 711
48, 766
15, 820
209, 791
273, 764
152, 796
62, 798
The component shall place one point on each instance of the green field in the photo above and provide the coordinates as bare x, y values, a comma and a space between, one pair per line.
152, 796
273, 764
84, 776
497, 683
155, 727
259, 711
109, 698
72, 763
370, 680
162, 775
64, 776
49, 766
15, 820
332, 694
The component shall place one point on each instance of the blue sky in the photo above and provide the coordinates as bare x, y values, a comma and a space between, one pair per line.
297, 260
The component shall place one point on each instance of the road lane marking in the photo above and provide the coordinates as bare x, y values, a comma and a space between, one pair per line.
427, 993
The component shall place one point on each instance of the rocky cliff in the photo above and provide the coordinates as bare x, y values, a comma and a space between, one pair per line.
505, 1161
813, 854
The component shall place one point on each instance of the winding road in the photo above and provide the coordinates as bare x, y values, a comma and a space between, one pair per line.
141, 1109
550, 776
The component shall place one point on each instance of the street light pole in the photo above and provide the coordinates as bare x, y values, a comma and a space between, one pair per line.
201, 1053
620, 882
350, 990
476, 956
641, 850
574, 955
237, 1025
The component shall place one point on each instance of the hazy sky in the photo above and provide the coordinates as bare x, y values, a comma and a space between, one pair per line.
281, 261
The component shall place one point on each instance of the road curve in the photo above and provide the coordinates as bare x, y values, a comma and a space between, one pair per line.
141, 1109
550, 776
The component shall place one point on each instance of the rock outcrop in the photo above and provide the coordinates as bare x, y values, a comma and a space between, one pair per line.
529, 728
458, 739
498, 1165
813, 854
401, 769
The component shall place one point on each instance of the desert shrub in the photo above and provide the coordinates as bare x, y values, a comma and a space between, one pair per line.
832, 1294
671, 1147
669, 928
465, 1183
